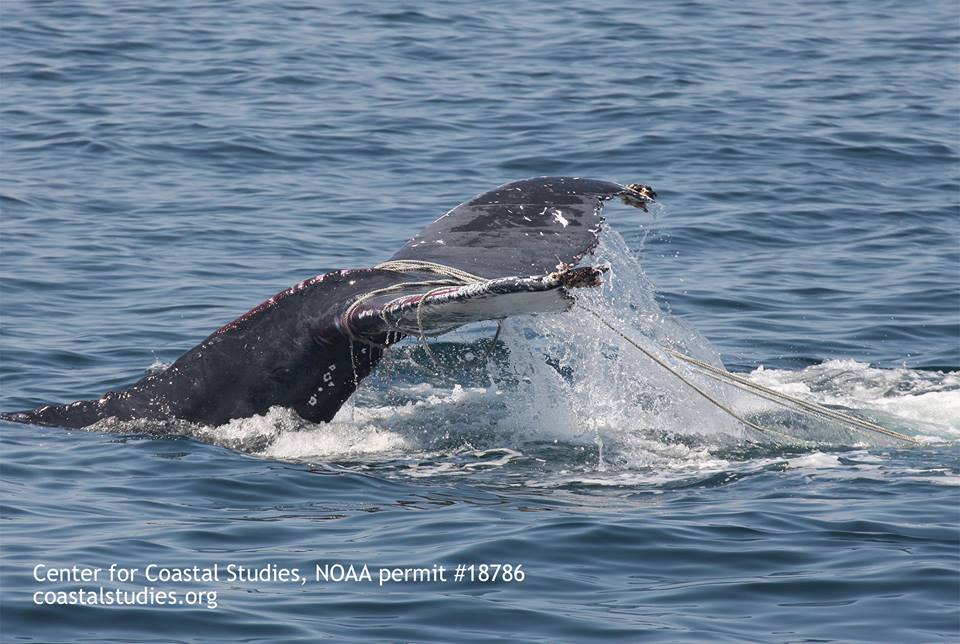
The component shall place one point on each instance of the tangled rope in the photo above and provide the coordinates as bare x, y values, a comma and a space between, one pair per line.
449, 276
719, 405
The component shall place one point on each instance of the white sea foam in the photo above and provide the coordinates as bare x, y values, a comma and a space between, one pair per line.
925, 403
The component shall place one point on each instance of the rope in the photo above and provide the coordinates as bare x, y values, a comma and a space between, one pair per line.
740, 382
420, 334
419, 266
450, 277
493, 343
389, 289
775, 396
719, 405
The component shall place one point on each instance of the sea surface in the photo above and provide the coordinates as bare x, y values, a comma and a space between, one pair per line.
166, 166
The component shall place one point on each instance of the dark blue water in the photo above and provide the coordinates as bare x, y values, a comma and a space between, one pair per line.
166, 167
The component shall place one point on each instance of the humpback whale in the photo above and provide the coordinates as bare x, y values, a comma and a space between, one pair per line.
510, 251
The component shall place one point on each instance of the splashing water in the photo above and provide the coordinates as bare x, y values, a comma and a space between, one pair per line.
576, 379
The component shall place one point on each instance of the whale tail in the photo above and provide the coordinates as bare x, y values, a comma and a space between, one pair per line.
509, 251
350, 343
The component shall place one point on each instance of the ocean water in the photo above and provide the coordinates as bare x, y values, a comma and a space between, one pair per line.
165, 167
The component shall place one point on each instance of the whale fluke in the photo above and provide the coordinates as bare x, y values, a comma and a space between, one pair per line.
506, 252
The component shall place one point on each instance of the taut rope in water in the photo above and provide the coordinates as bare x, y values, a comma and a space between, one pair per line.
740, 382
773, 395
719, 405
